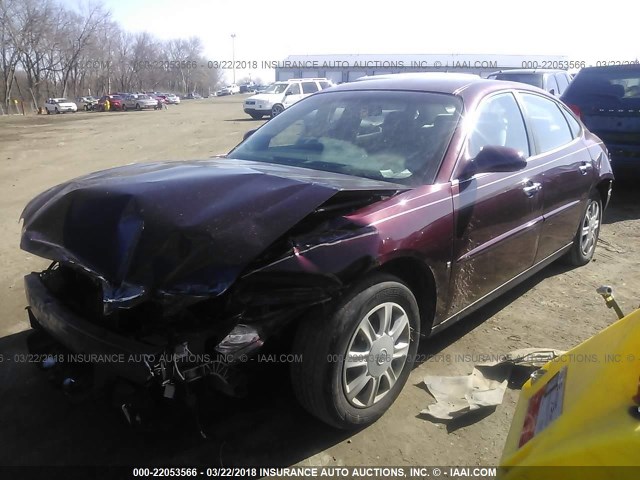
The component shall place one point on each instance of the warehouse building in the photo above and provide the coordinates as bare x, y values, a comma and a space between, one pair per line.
346, 68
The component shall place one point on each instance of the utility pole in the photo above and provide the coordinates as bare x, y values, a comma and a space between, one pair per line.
233, 56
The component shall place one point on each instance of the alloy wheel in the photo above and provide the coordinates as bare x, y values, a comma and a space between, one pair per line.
376, 355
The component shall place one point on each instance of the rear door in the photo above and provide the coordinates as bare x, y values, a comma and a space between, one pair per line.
567, 170
497, 215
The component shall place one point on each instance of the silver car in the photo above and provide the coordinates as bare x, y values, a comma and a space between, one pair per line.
139, 102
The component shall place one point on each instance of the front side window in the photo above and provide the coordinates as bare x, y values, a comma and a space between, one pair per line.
498, 123
294, 89
552, 84
396, 136
550, 127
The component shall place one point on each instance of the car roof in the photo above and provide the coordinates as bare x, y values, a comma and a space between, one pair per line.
468, 86
427, 81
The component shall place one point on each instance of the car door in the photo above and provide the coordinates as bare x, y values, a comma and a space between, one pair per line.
292, 94
497, 215
568, 174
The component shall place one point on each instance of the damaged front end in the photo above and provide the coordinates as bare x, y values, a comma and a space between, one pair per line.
167, 274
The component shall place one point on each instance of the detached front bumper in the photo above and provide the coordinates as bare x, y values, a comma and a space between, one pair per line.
83, 337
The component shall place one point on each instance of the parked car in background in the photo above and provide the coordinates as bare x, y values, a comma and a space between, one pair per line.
373, 214
172, 99
260, 88
233, 89
115, 102
607, 100
193, 96
60, 105
224, 91
247, 88
159, 97
553, 81
87, 103
281, 95
138, 102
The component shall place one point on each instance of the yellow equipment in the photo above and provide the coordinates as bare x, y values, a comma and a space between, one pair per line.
578, 417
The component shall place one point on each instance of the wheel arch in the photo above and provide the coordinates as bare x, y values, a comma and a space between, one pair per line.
603, 188
421, 281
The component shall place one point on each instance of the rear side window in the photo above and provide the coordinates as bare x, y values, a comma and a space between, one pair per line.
549, 125
324, 85
309, 87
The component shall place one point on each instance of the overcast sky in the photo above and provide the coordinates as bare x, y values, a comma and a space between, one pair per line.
271, 30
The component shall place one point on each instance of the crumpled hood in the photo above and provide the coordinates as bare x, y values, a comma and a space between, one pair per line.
184, 228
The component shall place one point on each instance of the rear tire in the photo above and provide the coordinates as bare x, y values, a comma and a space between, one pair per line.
584, 243
355, 362
124, 107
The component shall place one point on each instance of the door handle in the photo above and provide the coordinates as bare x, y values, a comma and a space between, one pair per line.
584, 168
531, 188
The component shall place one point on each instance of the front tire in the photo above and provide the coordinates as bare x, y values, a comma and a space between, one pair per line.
584, 243
256, 116
355, 363
276, 110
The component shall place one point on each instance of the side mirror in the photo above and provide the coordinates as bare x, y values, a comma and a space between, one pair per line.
495, 158
288, 92
248, 134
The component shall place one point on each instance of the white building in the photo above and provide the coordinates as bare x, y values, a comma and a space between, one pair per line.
346, 68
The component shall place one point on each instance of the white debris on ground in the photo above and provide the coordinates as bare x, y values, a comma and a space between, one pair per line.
484, 387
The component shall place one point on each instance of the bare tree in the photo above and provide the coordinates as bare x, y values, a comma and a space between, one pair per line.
50, 49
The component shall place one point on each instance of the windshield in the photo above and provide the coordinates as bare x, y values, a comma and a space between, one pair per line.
534, 79
63, 100
144, 97
276, 88
382, 135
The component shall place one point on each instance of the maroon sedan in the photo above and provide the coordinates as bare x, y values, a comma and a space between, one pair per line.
361, 219
115, 102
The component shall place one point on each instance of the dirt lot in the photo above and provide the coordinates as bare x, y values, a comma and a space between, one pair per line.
557, 308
